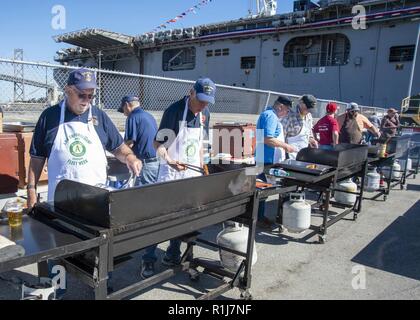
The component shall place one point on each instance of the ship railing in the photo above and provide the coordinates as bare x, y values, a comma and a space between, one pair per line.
30, 87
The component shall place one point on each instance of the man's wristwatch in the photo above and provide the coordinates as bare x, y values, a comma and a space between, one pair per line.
31, 187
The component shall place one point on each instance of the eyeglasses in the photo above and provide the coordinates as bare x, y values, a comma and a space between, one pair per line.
84, 96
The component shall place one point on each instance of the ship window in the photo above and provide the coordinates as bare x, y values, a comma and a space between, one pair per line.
179, 59
225, 52
218, 52
401, 53
209, 53
248, 62
317, 51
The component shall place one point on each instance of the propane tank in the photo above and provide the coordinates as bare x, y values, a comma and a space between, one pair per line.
297, 213
346, 198
373, 180
409, 164
234, 236
396, 174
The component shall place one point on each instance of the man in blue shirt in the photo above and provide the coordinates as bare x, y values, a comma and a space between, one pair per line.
274, 146
140, 133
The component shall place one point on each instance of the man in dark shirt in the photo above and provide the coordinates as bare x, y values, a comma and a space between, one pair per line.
140, 133
179, 142
73, 137
390, 124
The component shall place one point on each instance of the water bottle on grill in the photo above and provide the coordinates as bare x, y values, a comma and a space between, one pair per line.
278, 173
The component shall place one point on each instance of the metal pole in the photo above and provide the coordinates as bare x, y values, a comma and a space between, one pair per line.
410, 86
99, 79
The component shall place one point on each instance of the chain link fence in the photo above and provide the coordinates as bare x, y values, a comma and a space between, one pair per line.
29, 87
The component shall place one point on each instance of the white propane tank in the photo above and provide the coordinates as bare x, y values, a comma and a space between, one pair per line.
396, 167
409, 164
373, 180
234, 236
346, 198
297, 213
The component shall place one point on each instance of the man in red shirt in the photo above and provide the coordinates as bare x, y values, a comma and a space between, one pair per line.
328, 128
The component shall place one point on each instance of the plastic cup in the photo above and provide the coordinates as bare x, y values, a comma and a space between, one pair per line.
15, 217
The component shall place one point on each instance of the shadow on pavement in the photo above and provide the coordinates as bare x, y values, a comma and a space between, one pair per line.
397, 248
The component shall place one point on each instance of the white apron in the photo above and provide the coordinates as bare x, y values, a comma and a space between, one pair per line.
186, 149
300, 141
279, 153
77, 154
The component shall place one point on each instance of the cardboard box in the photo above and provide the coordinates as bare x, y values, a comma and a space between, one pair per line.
9, 163
24, 145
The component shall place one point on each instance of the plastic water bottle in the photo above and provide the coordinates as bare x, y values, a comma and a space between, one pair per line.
278, 173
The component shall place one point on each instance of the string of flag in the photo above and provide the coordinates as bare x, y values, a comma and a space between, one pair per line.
193, 10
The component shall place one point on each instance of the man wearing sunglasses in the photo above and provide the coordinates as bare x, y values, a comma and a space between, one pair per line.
73, 137
353, 123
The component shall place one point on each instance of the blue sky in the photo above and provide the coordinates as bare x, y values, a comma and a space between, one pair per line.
26, 24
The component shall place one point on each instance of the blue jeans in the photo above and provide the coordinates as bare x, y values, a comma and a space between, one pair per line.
326, 147
149, 175
261, 207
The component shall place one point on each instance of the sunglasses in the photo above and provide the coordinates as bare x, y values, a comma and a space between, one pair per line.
84, 96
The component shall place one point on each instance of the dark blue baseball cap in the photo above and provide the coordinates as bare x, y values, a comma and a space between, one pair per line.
82, 79
127, 99
205, 90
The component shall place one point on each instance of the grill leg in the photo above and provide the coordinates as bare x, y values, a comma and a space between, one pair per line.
323, 228
101, 272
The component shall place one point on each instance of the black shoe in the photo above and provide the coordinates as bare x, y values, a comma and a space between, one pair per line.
170, 262
147, 269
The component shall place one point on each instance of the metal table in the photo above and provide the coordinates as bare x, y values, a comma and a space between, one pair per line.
116, 224
43, 242
345, 161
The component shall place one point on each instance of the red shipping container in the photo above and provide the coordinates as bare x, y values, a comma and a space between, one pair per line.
238, 139
9, 163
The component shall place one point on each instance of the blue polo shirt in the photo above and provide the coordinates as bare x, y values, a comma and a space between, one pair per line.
271, 125
141, 128
174, 115
48, 123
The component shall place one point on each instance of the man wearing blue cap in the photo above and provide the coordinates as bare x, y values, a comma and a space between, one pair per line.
140, 133
179, 142
73, 136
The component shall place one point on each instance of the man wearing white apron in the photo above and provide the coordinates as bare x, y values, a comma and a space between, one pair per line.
274, 149
179, 142
298, 125
73, 136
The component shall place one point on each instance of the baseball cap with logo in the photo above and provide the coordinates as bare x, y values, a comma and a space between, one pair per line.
82, 79
127, 99
205, 90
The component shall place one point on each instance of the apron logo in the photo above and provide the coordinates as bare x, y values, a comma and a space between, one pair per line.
77, 149
191, 151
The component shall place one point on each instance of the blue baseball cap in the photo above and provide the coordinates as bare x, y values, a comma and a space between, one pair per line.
127, 99
205, 90
82, 79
